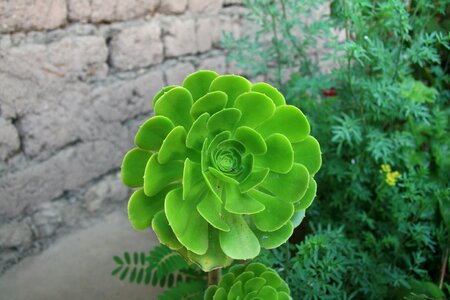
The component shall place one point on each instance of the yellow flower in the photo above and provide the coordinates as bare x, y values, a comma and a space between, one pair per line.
386, 168
391, 177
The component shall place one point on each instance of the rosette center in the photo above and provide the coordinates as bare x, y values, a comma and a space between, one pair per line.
228, 160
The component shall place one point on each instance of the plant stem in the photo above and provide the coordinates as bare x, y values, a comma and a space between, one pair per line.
276, 43
214, 276
443, 269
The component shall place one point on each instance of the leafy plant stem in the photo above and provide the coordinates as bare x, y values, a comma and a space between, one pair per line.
399, 54
214, 276
294, 43
277, 48
443, 269
349, 58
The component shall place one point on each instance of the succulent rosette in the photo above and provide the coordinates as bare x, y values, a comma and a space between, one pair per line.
224, 168
254, 281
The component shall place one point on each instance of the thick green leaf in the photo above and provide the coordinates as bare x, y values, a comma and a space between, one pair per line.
298, 217
152, 133
284, 296
276, 214
289, 121
174, 146
238, 203
213, 258
164, 232
210, 291
253, 180
133, 167
189, 226
274, 239
255, 108
198, 83
198, 133
237, 269
221, 176
236, 291
290, 187
142, 208
279, 156
194, 185
253, 142
211, 209
221, 294
224, 120
162, 92
240, 242
232, 85
252, 296
158, 176
272, 278
254, 284
227, 281
307, 153
256, 268
269, 91
245, 276
209, 103
267, 293
309, 196
175, 105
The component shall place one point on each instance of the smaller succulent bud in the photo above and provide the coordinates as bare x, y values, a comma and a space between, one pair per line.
252, 281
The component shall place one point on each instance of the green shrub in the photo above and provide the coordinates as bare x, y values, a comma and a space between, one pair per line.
381, 117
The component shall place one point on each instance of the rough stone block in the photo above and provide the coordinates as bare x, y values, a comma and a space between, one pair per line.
177, 73
82, 114
126, 99
205, 6
109, 189
57, 122
227, 23
216, 64
119, 10
137, 47
67, 170
15, 234
79, 10
109, 11
72, 58
18, 15
173, 6
206, 28
180, 38
9, 139
46, 220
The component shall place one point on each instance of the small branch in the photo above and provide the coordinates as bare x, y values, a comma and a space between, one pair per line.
443, 269
214, 277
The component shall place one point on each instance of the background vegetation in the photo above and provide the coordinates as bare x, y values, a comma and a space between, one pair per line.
379, 227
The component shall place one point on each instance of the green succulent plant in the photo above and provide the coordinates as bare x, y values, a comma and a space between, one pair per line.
252, 281
224, 168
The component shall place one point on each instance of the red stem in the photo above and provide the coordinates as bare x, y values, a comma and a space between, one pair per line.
443, 269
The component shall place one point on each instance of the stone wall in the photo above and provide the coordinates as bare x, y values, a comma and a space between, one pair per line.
76, 80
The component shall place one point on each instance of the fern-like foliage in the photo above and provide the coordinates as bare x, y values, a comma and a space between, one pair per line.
124, 264
161, 267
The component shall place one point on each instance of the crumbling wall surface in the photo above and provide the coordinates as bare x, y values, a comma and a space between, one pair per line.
76, 80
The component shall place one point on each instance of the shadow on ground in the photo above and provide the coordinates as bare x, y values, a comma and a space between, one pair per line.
78, 266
